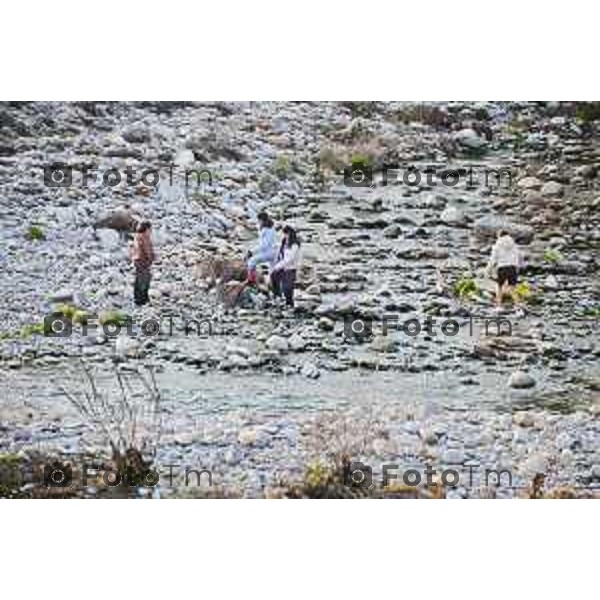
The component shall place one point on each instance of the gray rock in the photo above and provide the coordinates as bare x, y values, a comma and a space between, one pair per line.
468, 138
297, 343
277, 343
452, 216
310, 370
64, 295
521, 380
529, 183
392, 231
552, 188
488, 227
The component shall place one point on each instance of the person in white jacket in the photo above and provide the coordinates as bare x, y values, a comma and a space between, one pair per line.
506, 259
283, 275
266, 252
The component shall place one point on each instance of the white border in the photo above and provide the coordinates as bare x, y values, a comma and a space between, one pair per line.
299, 549
310, 50
266, 50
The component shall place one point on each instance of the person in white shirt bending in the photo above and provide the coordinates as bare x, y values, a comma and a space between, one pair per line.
506, 259
266, 252
283, 274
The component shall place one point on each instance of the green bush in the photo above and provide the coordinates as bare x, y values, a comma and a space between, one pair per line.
35, 233
113, 317
466, 287
552, 256
25, 332
282, 167
361, 158
523, 292
593, 312
74, 313
588, 111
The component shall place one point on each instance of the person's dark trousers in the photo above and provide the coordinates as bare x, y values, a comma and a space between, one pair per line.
141, 285
283, 283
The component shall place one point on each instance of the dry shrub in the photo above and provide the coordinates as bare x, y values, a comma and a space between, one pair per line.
431, 115
129, 421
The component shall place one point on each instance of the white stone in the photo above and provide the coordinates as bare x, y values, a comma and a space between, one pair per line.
310, 370
127, 347
523, 419
248, 436
278, 343
469, 138
297, 343
529, 183
552, 188
521, 380
452, 215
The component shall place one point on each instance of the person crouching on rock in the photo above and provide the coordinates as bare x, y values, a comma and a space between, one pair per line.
283, 275
267, 246
506, 259
142, 257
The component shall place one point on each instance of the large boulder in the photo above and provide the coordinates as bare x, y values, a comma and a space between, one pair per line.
452, 216
489, 226
552, 188
521, 380
122, 220
469, 139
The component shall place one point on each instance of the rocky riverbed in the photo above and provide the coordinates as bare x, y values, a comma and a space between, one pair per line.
266, 391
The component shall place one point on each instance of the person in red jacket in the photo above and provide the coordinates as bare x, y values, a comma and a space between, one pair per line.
142, 257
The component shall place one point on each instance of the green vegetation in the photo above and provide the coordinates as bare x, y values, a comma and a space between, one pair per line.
35, 233
552, 256
267, 183
588, 111
10, 475
523, 292
113, 317
592, 312
282, 167
361, 158
25, 332
466, 287
74, 313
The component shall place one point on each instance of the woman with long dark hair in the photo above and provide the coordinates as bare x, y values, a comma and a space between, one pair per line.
283, 275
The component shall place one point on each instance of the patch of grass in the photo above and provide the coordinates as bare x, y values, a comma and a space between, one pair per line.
113, 317
10, 475
267, 183
282, 167
364, 159
593, 312
74, 313
552, 256
24, 333
466, 287
524, 292
588, 111
35, 233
